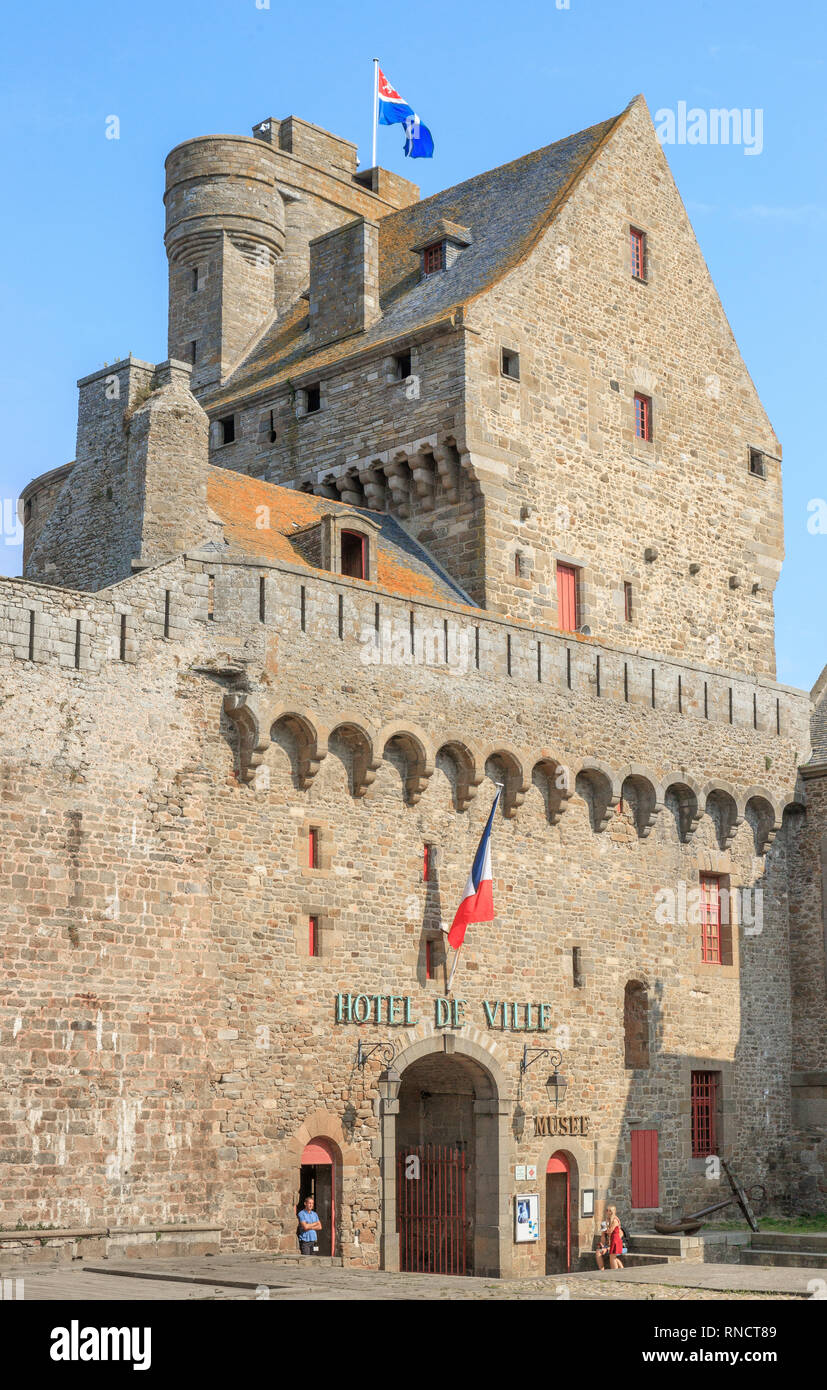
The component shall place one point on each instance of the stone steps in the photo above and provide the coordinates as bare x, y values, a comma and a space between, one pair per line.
814, 1242
634, 1259
682, 1247
797, 1259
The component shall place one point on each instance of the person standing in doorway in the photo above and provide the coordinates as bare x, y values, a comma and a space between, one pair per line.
309, 1224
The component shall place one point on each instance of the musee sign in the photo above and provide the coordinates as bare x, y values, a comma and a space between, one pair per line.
561, 1124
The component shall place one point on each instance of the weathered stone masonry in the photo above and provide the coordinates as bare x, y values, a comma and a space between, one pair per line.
191, 681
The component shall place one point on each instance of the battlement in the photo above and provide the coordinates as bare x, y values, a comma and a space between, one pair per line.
227, 614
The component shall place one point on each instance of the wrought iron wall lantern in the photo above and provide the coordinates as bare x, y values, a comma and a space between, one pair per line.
556, 1085
390, 1080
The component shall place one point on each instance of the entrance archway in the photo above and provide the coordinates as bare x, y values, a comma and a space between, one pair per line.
318, 1176
561, 1212
445, 1162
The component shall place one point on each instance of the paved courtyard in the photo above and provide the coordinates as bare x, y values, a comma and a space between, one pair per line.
249, 1277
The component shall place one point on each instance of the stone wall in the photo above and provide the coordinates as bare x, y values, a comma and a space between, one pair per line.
561, 469
169, 1038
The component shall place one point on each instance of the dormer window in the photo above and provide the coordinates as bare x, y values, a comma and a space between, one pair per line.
433, 257
441, 243
346, 545
355, 555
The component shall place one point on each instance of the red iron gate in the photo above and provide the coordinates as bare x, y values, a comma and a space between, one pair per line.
430, 1202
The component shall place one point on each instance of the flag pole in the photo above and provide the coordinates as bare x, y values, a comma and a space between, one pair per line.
453, 967
500, 789
375, 107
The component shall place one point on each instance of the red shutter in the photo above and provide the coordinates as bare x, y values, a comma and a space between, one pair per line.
645, 1168
313, 935
567, 616
638, 253
429, 960
643, 416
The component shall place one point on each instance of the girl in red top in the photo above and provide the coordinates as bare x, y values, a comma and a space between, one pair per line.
615, 1237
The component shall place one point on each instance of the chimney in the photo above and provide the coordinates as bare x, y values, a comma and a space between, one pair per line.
167, 468
344, 281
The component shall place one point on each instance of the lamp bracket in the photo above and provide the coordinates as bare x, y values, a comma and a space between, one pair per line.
386, 1049
527, 1061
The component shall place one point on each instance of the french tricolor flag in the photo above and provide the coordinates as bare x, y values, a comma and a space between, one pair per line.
478, 899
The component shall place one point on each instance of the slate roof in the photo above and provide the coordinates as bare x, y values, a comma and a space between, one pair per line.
506, 210
403, 566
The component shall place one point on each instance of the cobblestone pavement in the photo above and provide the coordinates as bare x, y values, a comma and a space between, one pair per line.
242, 1277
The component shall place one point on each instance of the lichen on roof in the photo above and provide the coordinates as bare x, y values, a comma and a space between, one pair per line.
260, 520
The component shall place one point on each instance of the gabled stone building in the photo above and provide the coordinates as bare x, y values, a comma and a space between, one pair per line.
430, 496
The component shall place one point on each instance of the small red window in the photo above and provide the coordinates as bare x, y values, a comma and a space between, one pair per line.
704, 1113
313, 935
427, 862
638, 247
429, 960
710, 919
716, 925
568, 617
643, 416
313, 847
433, 257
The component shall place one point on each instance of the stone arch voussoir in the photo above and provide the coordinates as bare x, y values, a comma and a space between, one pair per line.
686, 797
311, 748
323, 1124
469, 764
419, 755
367, 754
559, 779
763, 814
455, 1045
649, 796
726, 810
249, 713
517, 776
599, 786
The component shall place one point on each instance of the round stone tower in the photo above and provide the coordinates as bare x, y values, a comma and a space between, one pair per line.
224, 234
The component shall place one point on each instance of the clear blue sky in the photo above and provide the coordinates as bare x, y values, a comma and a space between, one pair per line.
84, 271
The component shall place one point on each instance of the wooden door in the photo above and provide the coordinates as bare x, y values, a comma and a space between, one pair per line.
557, 1223
568, 617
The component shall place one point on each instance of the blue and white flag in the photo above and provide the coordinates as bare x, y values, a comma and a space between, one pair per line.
393, 110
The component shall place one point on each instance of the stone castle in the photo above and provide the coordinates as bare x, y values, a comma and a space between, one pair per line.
430, 496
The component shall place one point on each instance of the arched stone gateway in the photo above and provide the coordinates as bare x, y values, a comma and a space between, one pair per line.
447, 1143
